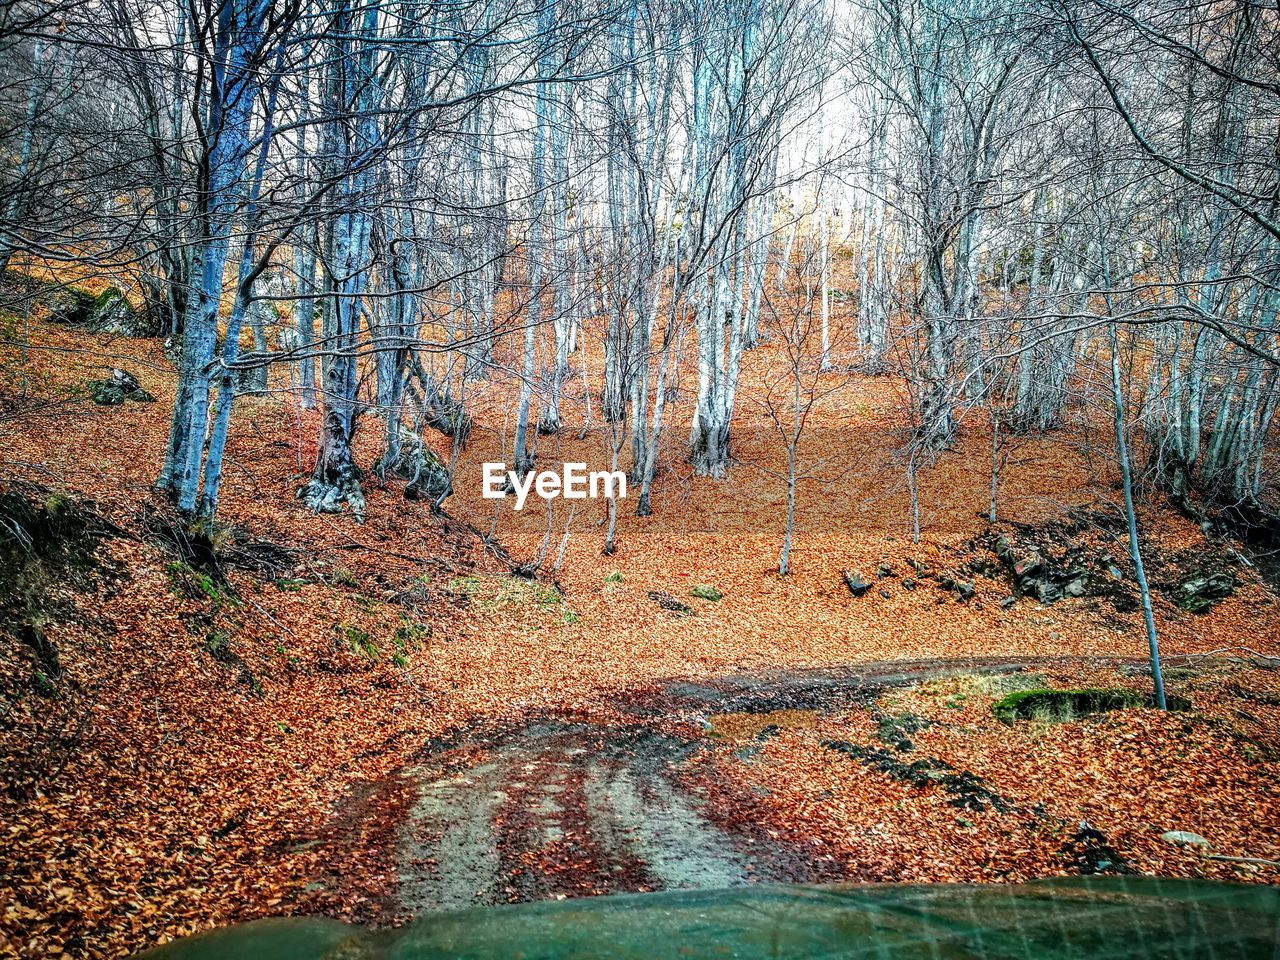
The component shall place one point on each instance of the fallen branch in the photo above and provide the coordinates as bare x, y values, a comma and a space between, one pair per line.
1258, 860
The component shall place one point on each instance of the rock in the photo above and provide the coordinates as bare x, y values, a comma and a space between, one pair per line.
1028, 567
329, 496
857, 586
112, 313
121, 386
108, 312
1199, 592
885, 594
1004, 552
908, 584
670, 603
704, 591
964, 590
67, 305
1046, 591
884, 570
105, 393
1008, 602
1078, 583
1184, 838
173, 349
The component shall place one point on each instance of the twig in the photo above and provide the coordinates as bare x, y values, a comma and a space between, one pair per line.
1258, 860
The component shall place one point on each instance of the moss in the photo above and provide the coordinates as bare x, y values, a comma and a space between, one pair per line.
1055, 706
614, 577
106, 298
546, 596
359, 641
467, 586
44, 686
186, 581
408, 637
48, 550
58, 505
218, 646
498, 592
704, 591
968, 684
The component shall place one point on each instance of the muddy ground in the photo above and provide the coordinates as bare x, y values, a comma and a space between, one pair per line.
556, 806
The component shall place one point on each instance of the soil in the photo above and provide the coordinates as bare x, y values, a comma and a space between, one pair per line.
562, 805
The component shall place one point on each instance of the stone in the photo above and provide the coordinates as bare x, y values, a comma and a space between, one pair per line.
121, 386
108, 312
1077, 584
1184, 838
1007, 602
1028, 566
1046, 591
1199, 592
670, 603
857, 586
1004, 552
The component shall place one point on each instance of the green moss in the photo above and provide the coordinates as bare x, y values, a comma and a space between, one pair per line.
497, 592
186, 581
1056, 706
704, 591
359, 641
58, 505
614, 577
407, 638
218, 646
344, 578
106, 298
546, 596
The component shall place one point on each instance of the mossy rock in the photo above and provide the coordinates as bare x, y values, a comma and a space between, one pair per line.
1200, 591
705, 591
69, 305
121, 386
105, 393
1057, 706
107, 312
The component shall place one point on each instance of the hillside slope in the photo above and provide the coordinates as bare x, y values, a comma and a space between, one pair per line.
221, 728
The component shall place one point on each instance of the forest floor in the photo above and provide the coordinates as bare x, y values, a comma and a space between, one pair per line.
372, 719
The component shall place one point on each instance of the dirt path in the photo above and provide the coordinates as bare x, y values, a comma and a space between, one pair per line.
555, 806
